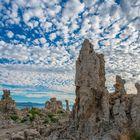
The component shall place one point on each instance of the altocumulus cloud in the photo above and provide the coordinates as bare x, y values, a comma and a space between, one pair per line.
40, 41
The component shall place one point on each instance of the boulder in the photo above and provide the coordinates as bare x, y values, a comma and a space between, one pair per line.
31, 134
17, 136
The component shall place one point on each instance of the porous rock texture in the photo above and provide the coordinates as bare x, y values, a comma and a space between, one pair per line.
135, 109
7, 108
7, 105
67, 106
53, 105
119, 86
98, 114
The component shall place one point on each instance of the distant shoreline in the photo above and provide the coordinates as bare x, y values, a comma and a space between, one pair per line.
21, 105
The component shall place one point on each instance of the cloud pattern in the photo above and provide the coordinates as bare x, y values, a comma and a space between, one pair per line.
40, 41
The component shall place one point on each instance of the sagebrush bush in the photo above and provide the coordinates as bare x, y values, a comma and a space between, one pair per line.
14, 117
135, 135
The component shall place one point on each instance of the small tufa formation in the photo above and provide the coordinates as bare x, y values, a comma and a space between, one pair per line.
137, 85
6, 95
135, 109
67, 106
119, 86
7, 105
53, 105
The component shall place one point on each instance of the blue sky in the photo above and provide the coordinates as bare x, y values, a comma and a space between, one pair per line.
40, 41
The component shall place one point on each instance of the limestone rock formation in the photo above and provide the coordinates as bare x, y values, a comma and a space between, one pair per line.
119, 86
96, 114
135, 111
67, 105
53, 105
91, 108
7, 105
90, 68
7, 109
137, 85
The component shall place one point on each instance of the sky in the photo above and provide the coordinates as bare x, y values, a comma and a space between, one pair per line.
40, 42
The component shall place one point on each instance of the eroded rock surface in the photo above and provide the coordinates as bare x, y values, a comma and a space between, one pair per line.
7, 109
67, 106
135, 109
97, 114
7, 105
119, 86
53, 105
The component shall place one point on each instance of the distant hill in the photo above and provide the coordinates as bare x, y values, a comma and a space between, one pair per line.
21, 105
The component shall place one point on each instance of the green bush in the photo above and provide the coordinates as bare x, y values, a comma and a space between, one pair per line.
33, 113
51, 118
50, 115
23, 120
32, 118
54, 119
47, 120
60, 112
135, 135
14, 117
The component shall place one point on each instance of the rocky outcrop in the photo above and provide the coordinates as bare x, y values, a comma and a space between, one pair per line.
53, 106
67, 106
28, 134
7, 105
7, 109
91, 107
119, 86
135, 109
137, 85
98, 114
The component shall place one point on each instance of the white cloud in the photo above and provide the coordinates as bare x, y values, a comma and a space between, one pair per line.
42, 40
72, 9
52, 36
10, 34
107, 23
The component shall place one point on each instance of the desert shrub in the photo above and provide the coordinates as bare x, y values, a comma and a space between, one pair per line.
23, 120
54, 119
32, 118
14, 117
50, 115
135, 135
33, 113
47, 120
51, 118
60, 112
